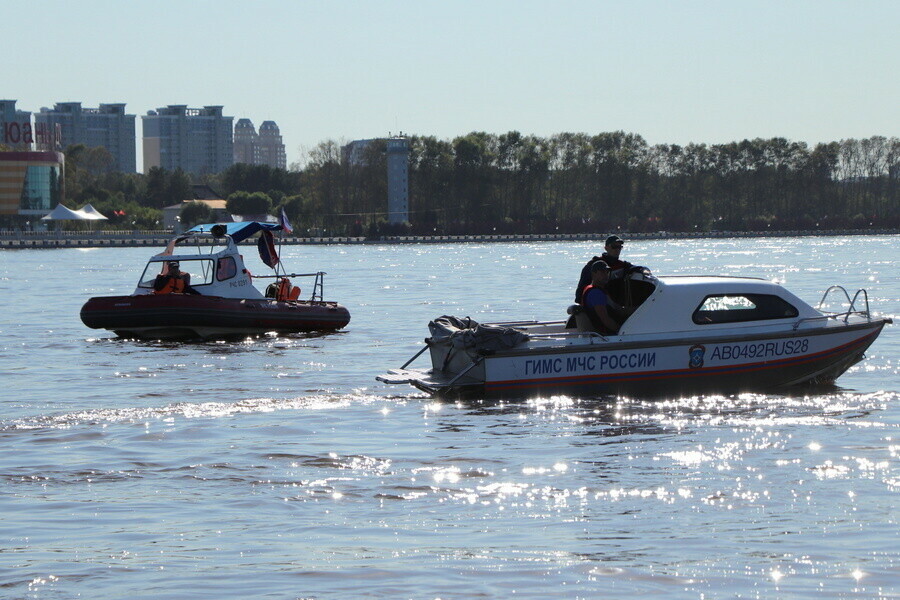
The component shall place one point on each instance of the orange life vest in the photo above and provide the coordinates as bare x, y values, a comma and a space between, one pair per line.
175, 285
286, 291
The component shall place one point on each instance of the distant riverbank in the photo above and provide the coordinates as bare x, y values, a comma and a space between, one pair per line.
130, 239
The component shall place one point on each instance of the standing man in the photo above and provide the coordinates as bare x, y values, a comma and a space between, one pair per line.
596, 302
612, 249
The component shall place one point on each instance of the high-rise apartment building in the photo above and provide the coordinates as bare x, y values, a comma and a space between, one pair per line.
197, 140
271, 146
107, 126
265, 148
397, 154
246, 143
354, 153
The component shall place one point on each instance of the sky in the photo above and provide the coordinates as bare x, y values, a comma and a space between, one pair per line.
675, 72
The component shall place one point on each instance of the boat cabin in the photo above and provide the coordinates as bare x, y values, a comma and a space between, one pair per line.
220, 273
689, 303
212, 260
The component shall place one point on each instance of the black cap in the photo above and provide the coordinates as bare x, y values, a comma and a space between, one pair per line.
614, 240
173, 263
599, 265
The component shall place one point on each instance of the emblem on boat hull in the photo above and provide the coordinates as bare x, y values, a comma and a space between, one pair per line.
696, 353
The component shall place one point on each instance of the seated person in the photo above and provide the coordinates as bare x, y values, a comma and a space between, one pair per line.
596, 301
173, 281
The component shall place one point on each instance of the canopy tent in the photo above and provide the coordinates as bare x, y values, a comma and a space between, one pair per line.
91, 212
63, 213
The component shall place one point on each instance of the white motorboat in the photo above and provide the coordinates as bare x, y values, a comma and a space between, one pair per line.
224, 302
678, 335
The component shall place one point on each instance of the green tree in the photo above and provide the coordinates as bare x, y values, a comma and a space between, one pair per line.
97, 161
157, 192
195, 213
178, 187
247, 204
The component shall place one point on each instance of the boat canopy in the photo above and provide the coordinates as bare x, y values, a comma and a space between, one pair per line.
238, 231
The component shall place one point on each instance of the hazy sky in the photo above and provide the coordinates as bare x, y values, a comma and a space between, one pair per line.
672, 71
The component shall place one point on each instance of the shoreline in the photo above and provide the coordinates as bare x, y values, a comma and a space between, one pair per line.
135, 239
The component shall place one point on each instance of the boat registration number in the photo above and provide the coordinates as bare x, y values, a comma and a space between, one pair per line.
759, 350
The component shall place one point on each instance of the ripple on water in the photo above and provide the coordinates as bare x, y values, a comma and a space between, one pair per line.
146, 469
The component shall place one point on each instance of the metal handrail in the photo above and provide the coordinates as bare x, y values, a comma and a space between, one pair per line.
318, 286
288, 275
851, 309
852, 302
835, 316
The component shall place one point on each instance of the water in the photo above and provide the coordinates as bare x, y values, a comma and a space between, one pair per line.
279, 468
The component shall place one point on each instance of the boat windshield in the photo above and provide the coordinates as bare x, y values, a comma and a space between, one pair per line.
200, 269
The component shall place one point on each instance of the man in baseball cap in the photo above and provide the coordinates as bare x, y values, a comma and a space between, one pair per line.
612, 249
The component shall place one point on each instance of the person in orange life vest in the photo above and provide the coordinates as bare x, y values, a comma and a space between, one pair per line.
173, 281
595, 300
612, 248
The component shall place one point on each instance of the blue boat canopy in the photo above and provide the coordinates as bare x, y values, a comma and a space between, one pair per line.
237, 231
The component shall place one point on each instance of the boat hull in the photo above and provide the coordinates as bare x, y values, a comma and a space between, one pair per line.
667, 368
169, 316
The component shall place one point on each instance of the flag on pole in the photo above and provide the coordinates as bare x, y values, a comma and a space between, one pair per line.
283, 221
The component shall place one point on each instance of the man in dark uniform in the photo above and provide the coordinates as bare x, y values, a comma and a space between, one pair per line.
597, 303
612, 249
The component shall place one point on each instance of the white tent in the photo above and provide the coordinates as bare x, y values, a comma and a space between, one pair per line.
91, 212
86, 213
61, 213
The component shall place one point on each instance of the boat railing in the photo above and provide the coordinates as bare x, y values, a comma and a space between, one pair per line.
844, 315
851, 302
318, 286
318, 292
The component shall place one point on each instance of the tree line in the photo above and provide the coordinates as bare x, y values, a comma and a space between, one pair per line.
514, 183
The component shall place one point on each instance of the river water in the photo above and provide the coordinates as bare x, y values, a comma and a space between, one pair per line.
279, 468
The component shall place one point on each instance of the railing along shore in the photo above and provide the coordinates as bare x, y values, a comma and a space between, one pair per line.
131, 239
